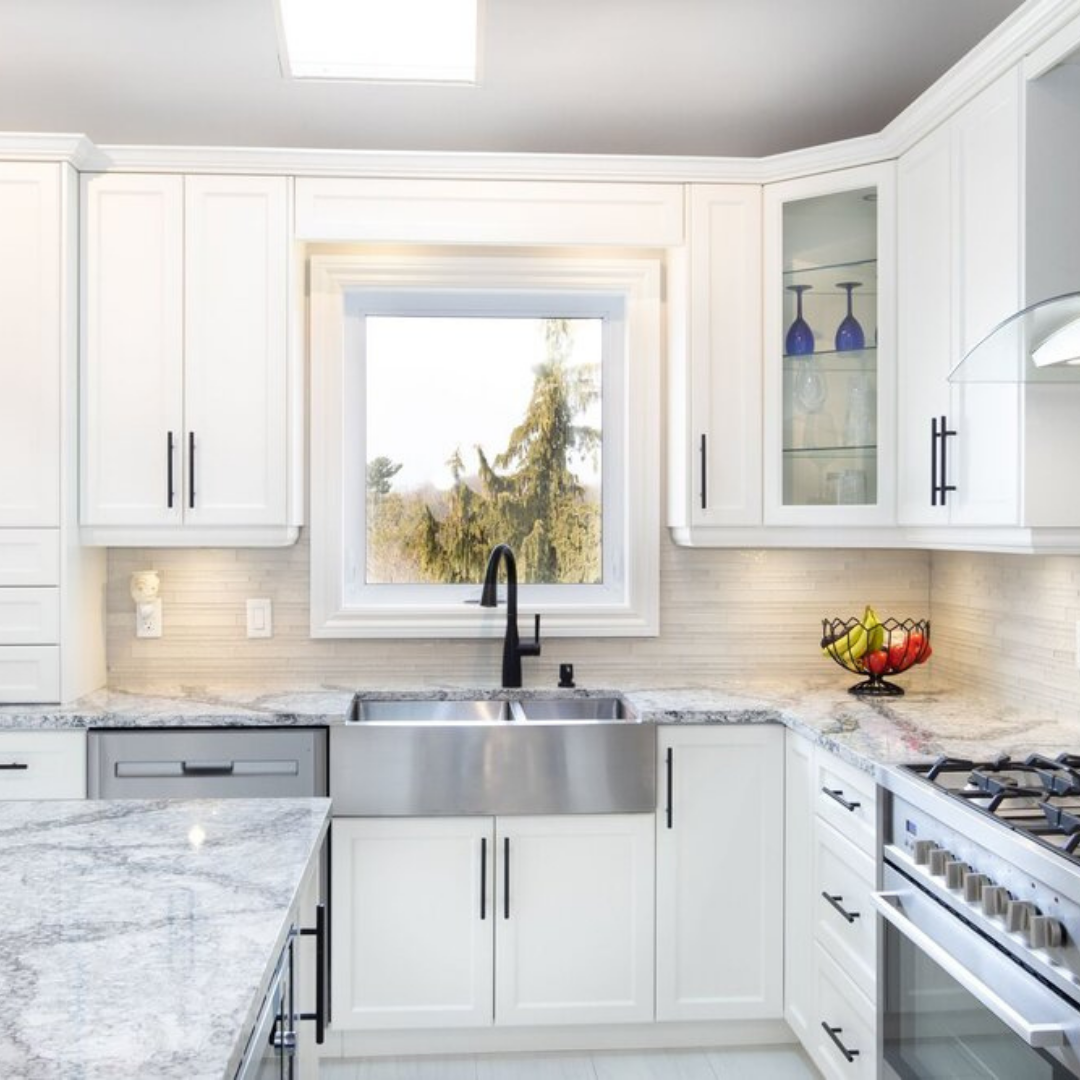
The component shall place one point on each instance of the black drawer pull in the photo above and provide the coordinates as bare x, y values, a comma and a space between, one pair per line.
834, 1033
319, 933
704, 473
208, 768
837, 795
835, 901
170, 489
506, 877
670, 782
14, 766
191, 470
483, 877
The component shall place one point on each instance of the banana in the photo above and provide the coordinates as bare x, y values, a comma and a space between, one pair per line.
850, 646
875, 632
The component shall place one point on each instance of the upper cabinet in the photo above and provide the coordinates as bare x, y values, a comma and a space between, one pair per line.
829, 370
186, 378
980, 455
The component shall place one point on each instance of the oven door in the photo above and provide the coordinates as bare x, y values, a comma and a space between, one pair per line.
955, 1005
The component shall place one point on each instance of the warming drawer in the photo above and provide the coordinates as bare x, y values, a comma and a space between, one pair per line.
213, 763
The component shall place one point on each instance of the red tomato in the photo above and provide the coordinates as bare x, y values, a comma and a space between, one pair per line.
916, 645
927, 650
877, 661
896, 656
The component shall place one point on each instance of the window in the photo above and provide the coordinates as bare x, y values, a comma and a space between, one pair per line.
463, 401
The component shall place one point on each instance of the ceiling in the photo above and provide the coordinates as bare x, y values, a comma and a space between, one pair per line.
687, 77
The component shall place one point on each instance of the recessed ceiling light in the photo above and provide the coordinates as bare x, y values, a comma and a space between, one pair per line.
382, 40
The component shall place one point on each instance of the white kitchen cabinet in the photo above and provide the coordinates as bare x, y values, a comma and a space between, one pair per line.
574, 919
187, 434
465, 922
829, 376
132, 350
720, 873
798, 878
412, 934
42, 764
714, 393
30, 344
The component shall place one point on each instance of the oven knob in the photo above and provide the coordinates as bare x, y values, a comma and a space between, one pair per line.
954, 873
1018, 915
1045, 932
938, 858
974, 884
923, 851
994, 899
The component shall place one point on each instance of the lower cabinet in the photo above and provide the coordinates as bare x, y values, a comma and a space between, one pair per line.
42, 764
465, 922
830, 939
720, 873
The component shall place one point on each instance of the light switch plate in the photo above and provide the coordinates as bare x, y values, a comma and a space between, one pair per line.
260, 619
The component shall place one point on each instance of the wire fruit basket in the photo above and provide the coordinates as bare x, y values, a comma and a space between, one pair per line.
876, 648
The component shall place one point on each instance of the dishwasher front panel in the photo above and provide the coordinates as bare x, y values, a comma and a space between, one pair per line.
206, 763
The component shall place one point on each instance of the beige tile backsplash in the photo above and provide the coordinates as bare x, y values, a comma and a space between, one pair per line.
724, 614
1007, 623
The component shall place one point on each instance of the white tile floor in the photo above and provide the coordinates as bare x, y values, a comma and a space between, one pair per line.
764, 1063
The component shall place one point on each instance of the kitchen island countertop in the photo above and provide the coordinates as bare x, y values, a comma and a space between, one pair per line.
140, 936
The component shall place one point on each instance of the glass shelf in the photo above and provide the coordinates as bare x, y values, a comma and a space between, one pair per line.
855, 361
823, 279
818, 452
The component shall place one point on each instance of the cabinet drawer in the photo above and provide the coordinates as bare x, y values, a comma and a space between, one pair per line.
841, 1007
847, 799
42, 764
30, 616
845, 926
29, 674
29, 557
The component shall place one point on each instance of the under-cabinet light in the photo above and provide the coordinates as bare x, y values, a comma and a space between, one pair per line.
391, 40
1061, 347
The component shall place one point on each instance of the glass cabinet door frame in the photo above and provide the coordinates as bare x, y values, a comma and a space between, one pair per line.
776, 197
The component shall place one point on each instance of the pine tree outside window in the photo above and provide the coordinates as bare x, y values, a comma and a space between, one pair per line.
461, 402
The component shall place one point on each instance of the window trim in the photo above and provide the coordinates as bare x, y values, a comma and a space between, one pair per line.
634, 612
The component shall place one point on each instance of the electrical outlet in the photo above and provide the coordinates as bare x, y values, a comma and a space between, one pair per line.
148, 619
260, 619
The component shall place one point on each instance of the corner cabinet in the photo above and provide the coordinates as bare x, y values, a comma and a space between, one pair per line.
474, 921
188, 390
829, 361
719, 873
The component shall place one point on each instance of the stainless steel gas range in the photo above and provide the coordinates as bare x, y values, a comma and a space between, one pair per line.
980, 904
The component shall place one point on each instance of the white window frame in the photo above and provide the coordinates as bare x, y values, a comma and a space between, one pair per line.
627, 602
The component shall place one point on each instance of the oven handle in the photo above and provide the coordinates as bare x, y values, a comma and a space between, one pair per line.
1037, 1036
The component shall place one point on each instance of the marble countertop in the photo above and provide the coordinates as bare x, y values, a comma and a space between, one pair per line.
925, 722
140, 936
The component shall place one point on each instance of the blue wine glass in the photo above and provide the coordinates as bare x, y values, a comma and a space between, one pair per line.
849, 334
800, 338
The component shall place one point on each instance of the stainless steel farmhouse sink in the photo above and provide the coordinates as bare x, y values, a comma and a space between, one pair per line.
556, 755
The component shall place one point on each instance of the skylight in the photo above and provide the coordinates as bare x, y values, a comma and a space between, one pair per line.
382, 40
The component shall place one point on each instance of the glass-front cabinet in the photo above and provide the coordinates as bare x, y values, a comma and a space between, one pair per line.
829, 348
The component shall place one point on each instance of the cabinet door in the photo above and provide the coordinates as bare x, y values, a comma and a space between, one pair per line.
132, 349
724, 390
43, 764
988, 265
412, 918
30, 345
235, 392
925, 298
574, 919
798, 882
720, 873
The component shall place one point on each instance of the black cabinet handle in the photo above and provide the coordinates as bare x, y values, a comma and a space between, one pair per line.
835, 901
170, 488
704, 473
483, 877
934, 437
506, 877
837, 795
670, 764
834, 1033
945, 434
14, 766
191, 469
319, 933
207, 768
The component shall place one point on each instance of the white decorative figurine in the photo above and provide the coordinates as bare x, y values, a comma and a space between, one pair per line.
145, 587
